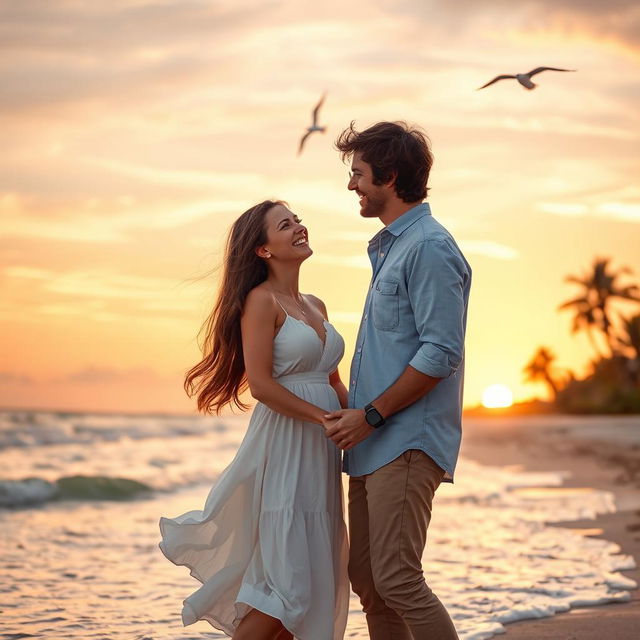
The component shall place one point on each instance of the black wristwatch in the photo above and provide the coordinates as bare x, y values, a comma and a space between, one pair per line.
373, 416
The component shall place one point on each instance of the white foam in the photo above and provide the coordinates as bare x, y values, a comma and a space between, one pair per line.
28, 491
492, 559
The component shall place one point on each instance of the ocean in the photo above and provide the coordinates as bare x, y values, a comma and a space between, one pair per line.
81, 496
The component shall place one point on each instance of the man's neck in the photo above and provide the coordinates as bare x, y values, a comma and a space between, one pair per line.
395, 209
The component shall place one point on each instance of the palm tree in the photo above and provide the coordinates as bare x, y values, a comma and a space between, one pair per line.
631, 340
631, 327
539, 368
584, 318
592, 307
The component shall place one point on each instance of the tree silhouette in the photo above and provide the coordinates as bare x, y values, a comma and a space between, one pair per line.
592, 307
631, 337
539, 368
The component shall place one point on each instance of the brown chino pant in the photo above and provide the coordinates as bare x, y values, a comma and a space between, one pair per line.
389, 513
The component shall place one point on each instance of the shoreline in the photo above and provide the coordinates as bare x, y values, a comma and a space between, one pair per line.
600, 453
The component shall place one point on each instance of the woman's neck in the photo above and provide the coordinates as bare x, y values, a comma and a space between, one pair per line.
285, 281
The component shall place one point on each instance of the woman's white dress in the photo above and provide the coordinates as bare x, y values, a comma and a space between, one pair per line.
271, 535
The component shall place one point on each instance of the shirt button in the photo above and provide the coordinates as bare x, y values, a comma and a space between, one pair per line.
366, 315
382, 254
353, 382
359, 349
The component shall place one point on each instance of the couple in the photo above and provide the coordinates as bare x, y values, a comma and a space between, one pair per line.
270, 546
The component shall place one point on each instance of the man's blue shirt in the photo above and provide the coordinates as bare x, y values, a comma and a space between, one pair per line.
415, 314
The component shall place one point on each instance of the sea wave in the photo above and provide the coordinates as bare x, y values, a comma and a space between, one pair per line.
30, 491
43, 428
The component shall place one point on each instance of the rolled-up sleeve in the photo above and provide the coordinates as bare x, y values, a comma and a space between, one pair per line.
436, 280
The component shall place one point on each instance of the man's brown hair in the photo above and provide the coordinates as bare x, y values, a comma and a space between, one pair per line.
393, 149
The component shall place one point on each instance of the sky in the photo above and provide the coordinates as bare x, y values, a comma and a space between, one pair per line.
134, 132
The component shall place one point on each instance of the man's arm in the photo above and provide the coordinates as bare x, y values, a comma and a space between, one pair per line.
409, 387
352, 428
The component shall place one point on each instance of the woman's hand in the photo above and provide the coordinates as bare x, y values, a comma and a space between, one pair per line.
347, 427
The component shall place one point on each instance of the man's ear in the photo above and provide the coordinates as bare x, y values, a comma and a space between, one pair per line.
392, 180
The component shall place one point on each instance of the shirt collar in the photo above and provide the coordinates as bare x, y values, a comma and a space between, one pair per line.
401, 224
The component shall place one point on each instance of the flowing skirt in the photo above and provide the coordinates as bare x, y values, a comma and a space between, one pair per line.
271, 535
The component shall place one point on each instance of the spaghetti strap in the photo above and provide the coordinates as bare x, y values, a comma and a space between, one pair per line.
278, 301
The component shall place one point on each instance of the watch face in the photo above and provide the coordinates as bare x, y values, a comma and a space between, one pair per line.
373, 417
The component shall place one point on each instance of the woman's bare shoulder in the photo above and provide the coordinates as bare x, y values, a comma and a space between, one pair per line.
260, 301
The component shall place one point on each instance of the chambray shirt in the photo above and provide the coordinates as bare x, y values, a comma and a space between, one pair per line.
415, 314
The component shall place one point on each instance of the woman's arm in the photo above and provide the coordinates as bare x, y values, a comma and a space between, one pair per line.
340, 389
334, 378
258, 324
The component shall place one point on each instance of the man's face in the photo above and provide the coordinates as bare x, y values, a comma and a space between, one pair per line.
373, 198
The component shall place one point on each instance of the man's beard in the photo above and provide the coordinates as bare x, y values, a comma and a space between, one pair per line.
373, 207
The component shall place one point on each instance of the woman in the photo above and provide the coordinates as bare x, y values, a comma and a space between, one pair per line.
270, 545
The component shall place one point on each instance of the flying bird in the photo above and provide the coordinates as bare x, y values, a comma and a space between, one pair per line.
523, 78
314, 126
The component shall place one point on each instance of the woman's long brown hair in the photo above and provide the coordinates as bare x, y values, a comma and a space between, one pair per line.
219, 378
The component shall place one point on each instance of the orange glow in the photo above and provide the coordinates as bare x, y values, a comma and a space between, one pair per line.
124, 175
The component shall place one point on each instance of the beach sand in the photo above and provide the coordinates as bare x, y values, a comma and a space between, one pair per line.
599, 454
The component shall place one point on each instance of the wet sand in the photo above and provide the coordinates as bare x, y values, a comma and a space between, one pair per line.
599, 454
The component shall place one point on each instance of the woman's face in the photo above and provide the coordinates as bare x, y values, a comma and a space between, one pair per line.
287, 239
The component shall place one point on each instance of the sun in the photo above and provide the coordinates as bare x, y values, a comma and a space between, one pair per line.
497, 395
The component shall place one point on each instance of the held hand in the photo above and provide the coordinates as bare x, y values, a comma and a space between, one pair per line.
328, 422
349, 430
335, 414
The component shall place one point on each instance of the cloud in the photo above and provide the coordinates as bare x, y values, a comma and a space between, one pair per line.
564, 208
617, 20
121, 29
612, 210
7, 377
106, 375
620, 211
181, 178
489, 249
76, 57
98, 296
90, 375
95, 283
118, 220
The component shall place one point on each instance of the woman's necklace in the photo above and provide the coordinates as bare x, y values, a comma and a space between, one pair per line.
302, 311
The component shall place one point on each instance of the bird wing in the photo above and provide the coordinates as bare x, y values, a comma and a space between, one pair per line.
317, 109
303, 140
539, 69
494, 80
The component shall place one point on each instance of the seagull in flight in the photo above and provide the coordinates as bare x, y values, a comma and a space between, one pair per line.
524, 78
314, 126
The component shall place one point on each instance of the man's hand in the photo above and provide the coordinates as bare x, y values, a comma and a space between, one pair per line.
349, 429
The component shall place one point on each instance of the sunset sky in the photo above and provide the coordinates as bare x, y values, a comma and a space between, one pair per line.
135, 131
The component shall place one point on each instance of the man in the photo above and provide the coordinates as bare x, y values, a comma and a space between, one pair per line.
401, 434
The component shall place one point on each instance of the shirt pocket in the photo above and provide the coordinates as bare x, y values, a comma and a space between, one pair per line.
386, 305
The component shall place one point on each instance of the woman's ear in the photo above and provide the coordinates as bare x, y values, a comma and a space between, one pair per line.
263, 252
